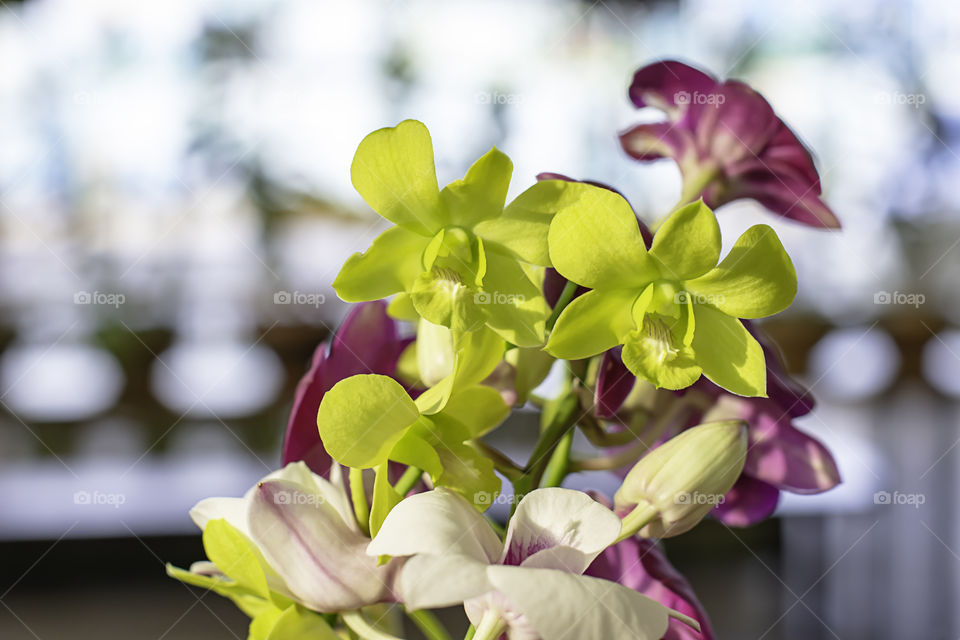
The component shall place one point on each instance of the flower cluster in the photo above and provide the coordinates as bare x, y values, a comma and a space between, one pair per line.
380, 508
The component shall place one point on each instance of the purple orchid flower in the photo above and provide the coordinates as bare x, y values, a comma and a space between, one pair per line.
640, 565
727, 141
780, 457
367, 342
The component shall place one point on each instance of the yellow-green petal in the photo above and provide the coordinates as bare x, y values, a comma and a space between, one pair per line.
591, 324
512, 301
730, 357
687, 245
755, 280
393, 171
389, 266
362, 417
596, 242
481, 193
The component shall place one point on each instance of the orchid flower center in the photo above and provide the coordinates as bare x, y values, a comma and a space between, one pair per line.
658, 338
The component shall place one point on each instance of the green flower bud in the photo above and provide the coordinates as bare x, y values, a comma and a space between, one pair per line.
674, 486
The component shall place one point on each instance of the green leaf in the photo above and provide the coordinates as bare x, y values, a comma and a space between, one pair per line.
523, 227
755, 280
389, 266
385, 498
393, 170
362, 417
731, 358
297, 623
482, 192
596, 321
596, 243
512, 301
687, 245
236, 556
478, 408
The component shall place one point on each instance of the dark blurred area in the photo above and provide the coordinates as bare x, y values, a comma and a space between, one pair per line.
175, 201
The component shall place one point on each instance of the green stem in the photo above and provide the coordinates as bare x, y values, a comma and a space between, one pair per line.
428, 625
641, 516
600, 437
359, 625
358, 492
471, 631
408, 480
491, 626
566, 296
564, 418
501, 461
559, 463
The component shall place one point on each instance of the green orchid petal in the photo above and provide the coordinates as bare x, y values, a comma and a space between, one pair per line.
390, 265
596, 243
431, 251
362, 417
596, 321
477, 354
482, 193
414, 451
401, 307
731, 358
657, 354
297, 623
512, 300
246, 600
441, 296
385, 498
435, 352
687, 245
522, 229
235, 555
393, 171
478, 408
465, 470
755, 280
262, 624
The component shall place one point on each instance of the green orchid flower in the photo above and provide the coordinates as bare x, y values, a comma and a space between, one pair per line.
367, 420
457, 257
674, 308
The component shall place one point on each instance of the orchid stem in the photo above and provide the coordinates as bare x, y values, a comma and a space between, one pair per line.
559, 463
408, 480
501, 461
641, 516
358, 492
566, 296
428, 625
491, 626
359, 625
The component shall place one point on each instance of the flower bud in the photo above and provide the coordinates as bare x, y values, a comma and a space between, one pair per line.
674, 486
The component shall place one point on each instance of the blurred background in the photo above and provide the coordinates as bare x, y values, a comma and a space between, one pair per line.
175, 201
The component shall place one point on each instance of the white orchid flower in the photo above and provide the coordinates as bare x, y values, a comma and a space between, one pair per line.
530, 586
312, 550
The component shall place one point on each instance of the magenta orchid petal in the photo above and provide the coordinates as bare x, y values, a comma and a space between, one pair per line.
640, 565
614, 383
668, 85
366, 342
788, 458
727, 141
749, 501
